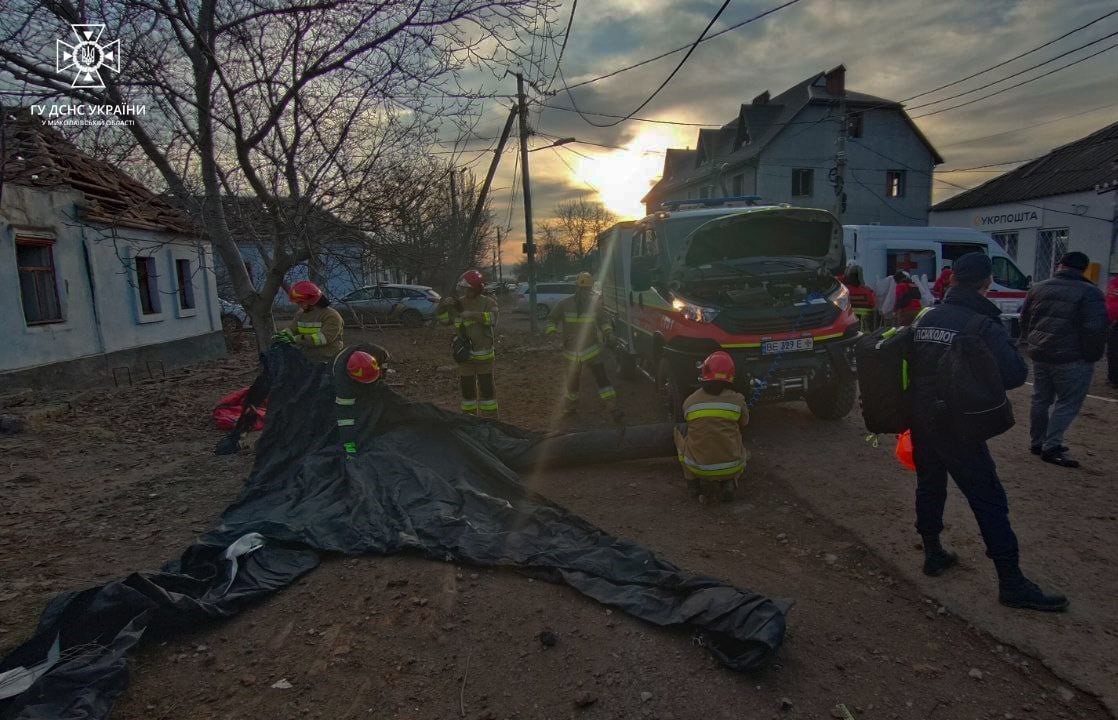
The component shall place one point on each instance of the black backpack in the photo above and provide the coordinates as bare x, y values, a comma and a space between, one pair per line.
882, 359
969, 384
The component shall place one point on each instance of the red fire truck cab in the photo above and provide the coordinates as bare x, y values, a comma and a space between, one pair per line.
757, 281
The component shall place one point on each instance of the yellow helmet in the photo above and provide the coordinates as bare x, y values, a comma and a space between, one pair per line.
584, 280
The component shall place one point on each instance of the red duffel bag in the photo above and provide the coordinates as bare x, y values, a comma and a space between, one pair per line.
228, 411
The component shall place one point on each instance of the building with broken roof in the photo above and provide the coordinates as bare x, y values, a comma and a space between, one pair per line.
783, 148
101, 279
1066, 200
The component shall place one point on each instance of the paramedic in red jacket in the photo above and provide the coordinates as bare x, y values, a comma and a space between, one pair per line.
943, 282
907, 304
1112, 340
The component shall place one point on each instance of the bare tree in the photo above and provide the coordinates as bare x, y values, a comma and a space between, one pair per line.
579, 222
300, 106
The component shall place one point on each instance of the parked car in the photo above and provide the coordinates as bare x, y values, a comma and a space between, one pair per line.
410, 305
547, 295
233, 316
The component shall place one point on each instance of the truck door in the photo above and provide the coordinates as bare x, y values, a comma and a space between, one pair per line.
643, 258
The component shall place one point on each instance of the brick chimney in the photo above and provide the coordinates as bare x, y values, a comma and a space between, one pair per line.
762, 99
836, 81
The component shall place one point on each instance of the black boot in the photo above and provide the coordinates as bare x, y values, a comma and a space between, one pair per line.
1017, 591
937, 560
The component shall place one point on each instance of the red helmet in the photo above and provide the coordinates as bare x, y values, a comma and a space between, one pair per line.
305, 292
363, 367
472, 279
718, 366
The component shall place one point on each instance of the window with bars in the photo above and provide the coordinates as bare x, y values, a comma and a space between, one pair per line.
1051, 244
38, 287
1008, 242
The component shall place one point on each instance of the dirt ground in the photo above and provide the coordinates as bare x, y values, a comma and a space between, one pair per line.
125, 479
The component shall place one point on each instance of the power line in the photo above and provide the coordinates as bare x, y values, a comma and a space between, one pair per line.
1013, 75
664, 84
1016, 57
682, 48
1028, 127
883, 201
963, 187
583, 180
563, 47
638, 119
1014, 87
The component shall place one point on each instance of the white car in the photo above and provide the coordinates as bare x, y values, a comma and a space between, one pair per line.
548, 294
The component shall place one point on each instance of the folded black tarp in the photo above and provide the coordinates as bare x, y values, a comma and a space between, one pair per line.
427, 481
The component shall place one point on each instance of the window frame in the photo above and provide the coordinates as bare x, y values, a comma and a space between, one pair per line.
1009, 241
895, 179
798, 175
855, 124
147, 287
51, 278
184, 284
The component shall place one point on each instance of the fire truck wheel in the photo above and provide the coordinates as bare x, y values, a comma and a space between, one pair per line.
834, 401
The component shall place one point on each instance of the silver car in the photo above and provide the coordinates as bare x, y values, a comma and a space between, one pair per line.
409, 305
548, 294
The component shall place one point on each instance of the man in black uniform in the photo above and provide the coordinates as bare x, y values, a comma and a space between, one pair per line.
938, 451
356, 372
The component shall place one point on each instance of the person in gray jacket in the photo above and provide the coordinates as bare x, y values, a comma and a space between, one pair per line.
1064, 324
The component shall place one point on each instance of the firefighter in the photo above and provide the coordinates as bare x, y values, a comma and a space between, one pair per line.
356, 371
474, 315
710, 448
582, 318
316, 328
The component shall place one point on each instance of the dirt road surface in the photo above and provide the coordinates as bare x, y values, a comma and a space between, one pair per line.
124, 480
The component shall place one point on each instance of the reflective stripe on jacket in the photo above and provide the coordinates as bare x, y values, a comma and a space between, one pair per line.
318, 332
580, 326
713, 446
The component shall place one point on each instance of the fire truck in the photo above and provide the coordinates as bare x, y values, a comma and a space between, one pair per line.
755, 280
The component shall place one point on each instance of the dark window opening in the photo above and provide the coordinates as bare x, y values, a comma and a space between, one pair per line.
37, 285
854, 125
147, 282
803, 182
739, 185
894, 183
186, 284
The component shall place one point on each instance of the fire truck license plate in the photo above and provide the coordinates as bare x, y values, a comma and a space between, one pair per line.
774, 347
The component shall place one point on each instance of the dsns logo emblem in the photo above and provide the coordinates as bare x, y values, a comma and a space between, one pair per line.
88, 56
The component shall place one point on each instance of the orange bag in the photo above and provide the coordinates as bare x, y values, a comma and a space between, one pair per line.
904, 450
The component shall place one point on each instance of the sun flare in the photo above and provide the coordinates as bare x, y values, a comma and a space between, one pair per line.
622, 177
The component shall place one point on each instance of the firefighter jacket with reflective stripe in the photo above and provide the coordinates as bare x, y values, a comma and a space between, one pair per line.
477, 318
318, 332
712, 447
348, 393
581, 324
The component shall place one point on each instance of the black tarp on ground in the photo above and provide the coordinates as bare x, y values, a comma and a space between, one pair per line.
427, 481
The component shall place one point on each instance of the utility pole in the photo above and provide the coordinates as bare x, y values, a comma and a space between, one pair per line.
500, 270
529, 245
840, 159
475, 215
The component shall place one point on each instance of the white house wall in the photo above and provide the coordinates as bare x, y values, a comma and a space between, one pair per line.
1087, 216
39, 214
96, 287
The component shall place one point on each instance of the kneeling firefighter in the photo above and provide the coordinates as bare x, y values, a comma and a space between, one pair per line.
710, 447
582, 318
356, 371
474, 315
316, 328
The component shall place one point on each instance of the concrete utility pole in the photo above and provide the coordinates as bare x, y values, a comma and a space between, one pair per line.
529, 245
500, 270
475, 215
840, 158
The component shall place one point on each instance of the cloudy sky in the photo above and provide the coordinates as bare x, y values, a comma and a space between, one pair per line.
893, 49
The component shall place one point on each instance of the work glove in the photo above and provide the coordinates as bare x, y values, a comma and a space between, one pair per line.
284, 336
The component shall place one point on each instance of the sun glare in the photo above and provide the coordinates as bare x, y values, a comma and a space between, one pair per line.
622, 177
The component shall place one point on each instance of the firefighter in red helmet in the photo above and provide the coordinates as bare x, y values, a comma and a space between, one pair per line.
710, 448
357, 371
316, 328
474, 316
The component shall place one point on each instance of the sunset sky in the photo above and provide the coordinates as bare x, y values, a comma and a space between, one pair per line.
893, 50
